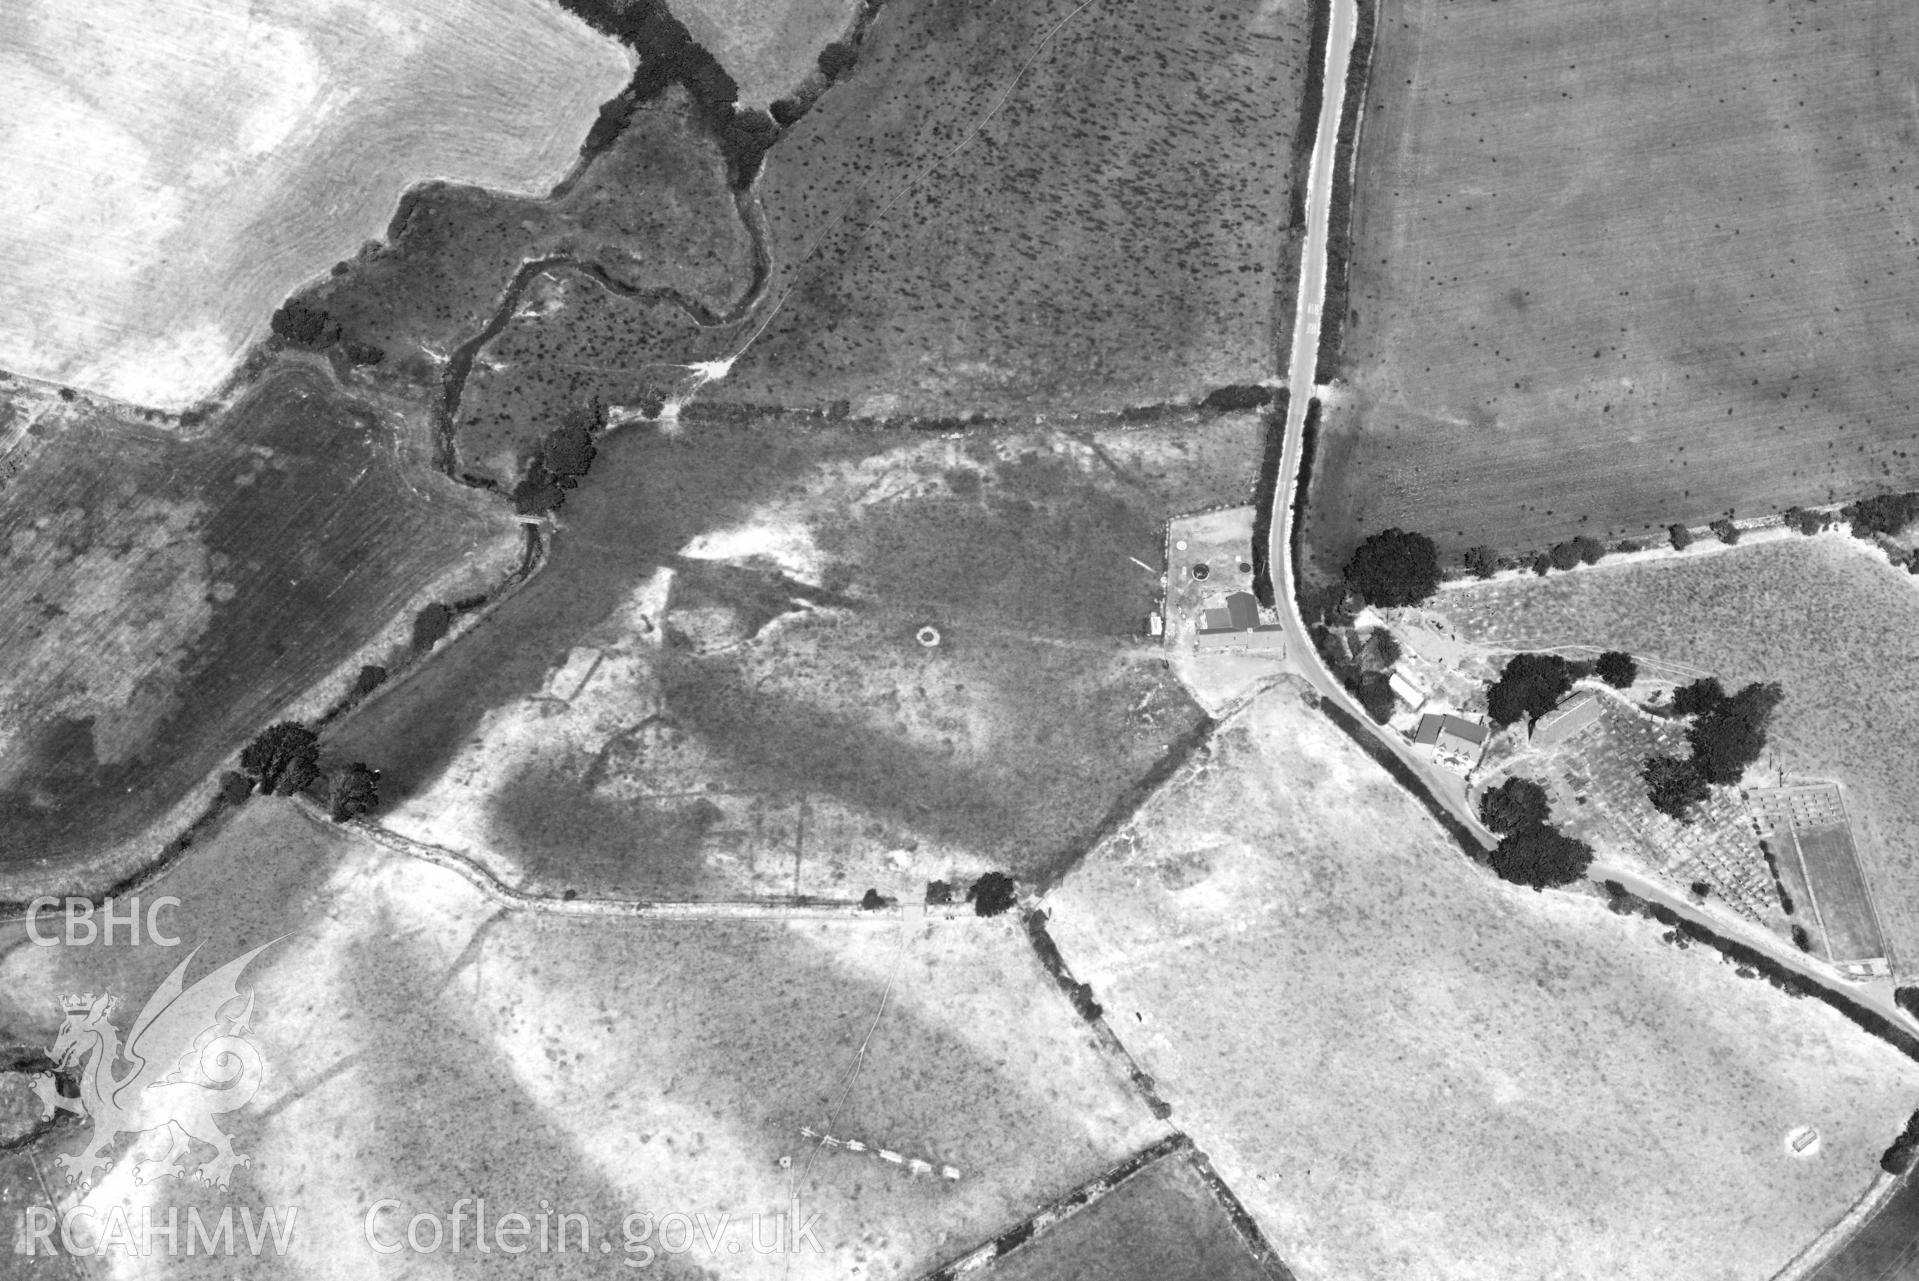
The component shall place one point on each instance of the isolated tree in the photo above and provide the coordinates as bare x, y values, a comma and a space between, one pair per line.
1394, 568
939, 893
1540, 857
1565, 556
430, 625
1374, 690
1674, 786
568, 450
352, 792
1616, 669
284, 758
1591, 550
1541, 564
992, 894
1483, 562
873, 901
1725, 531
371, 677
1681, 537
1529, 686
304, 325
1384, 646
1699, 697
1732, 735
1515, 803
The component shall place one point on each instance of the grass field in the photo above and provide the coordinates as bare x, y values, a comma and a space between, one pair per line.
1163, 1224
1116, 234
769, 48
1622, 265
165, 162
1845, 910
423, 1046
652, 212
163, 598
1826, 617
1405, 1067
771, 722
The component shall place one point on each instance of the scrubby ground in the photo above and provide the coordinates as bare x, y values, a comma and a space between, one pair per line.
651, 214
161, 598
785, 657
167, 163
1825, 616
423, 1046
1622, 265
1117, 233
1407, 1068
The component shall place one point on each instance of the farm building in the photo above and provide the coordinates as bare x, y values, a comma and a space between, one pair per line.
1450, 740
1576, 713
1235, 624
1408, 689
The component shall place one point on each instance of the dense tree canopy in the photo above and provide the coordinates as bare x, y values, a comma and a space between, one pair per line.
353, 791
1702, 695
1674, 786
1514, 804
1565, 555
1529, 687
1540, 857
1731, 736
284, 758
1886, 514
1483, 562
1394, 568
1681, 537
992, 894
1617, 669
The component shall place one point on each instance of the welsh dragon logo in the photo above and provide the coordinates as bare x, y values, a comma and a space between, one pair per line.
189, 1061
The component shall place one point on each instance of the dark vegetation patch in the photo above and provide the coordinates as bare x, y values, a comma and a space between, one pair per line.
299, 530
1115, 235
1014, 738
649, 214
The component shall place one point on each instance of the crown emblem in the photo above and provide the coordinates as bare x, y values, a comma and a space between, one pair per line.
77, 1004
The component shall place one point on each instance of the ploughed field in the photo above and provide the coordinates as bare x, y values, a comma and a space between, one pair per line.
1616, 266
789, 657
178, 169
163, 597
1825, 616
1405, 1067
1104, 219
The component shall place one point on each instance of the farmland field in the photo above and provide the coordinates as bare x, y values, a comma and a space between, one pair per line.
164, 597
424, 1045
719, 684
176, 170
1826, 617
1622, 265
652, 213
1405, 1067
1117, 233
1163, 1224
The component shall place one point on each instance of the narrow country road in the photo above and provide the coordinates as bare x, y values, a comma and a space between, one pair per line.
1302, 378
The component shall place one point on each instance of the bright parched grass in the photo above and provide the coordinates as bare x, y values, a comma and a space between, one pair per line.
174, 171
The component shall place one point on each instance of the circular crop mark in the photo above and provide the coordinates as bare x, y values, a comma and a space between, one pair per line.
927, 636
1245, 567
1201, 570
